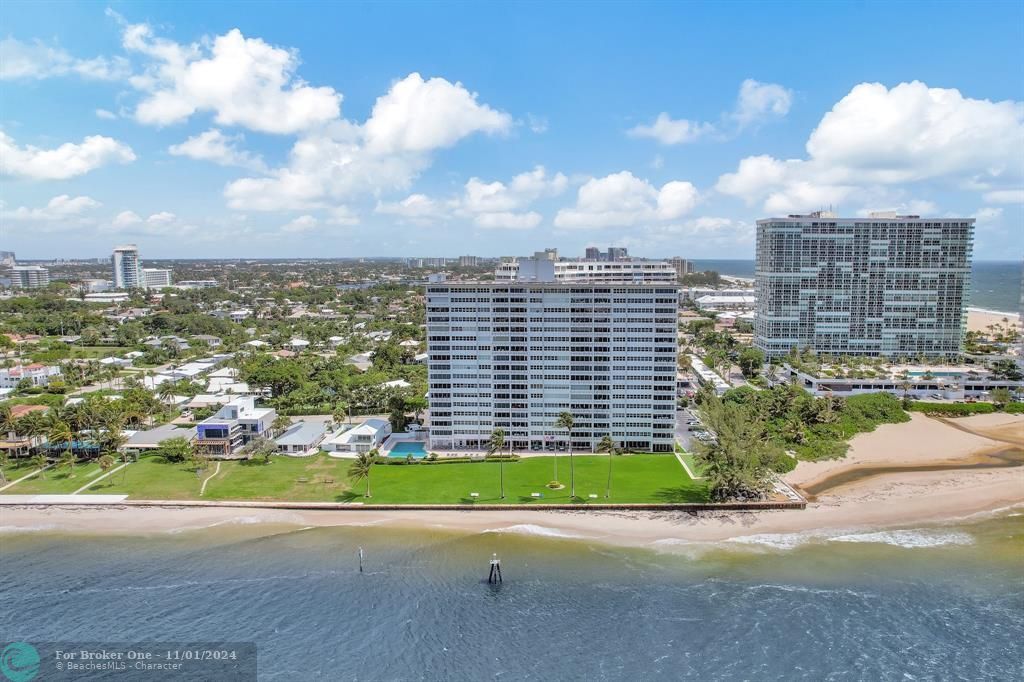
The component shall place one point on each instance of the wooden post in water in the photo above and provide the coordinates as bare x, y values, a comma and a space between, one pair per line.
495, 575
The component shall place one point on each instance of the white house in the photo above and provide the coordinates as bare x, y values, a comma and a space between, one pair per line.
37, 373
397, 383
234, 425
301, 438
363, 438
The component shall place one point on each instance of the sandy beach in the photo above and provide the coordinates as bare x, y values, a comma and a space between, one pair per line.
883, 500
978, 320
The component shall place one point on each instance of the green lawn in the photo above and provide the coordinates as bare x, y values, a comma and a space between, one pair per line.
56, 481
635, 478
692, 463
281, 480
17, 468
152, 478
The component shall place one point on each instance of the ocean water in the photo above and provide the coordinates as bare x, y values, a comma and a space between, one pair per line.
917, 603
995, 285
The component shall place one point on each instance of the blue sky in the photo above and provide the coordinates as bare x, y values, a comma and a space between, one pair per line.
339, 129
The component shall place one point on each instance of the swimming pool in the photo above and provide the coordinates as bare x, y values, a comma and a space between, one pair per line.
408, 447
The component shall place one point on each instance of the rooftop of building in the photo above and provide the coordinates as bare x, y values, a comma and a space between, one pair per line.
876, 216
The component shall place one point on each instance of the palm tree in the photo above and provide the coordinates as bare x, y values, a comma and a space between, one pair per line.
7, 420
60, 432
67, 460
105, 462
280, 424
361, 468
495, 445
341, 410
40, 461
607, 445
166, 391
566, 421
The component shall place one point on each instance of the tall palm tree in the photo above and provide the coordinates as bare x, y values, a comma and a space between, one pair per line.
495, 445
166, 392
40, 462
60, 433
566, 421
607, 445
67, 460
7, 420
105, 462
362, 467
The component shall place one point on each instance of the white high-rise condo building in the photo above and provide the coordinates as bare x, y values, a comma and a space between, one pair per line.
29, 277
127, 267
884, 285
156, 278
516, 354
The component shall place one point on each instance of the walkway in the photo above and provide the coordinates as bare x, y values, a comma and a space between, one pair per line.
202, 489
97, 480
26, 476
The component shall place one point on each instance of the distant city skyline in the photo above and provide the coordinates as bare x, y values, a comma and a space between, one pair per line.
340, 130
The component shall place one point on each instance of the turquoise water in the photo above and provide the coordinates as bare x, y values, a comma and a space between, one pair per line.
930, 603
404, 449
995, 285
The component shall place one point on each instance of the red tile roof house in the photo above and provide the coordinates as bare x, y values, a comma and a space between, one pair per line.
39, 374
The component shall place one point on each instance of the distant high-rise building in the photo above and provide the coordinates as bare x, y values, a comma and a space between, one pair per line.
7, 259
682, 266
541, 267
617, 253
156, 278
884, 285
593, 253
127, 267
29, 277
468, 261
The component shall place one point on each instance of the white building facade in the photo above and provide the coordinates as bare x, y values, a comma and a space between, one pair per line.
29, 277
885, 285
515, 355
156, 278
127, 267
541, 267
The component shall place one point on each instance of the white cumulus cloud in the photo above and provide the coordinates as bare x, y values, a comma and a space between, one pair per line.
66, 161
213, 145
37, 60
622, 199
242, 81
385, 154
877, 136
755, 103
668, 130
59, 208
419, 116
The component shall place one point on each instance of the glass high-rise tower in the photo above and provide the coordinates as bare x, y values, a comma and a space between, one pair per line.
884, 285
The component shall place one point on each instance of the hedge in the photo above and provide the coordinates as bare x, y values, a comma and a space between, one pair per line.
952, 409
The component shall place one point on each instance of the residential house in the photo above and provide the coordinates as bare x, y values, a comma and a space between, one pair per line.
301, 438
37, 373
368, 435
234, 425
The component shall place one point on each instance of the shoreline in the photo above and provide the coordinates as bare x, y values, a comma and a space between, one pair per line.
906, 499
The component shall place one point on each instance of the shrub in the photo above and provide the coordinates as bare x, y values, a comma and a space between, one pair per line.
1014, 408
952, 409
783, 463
